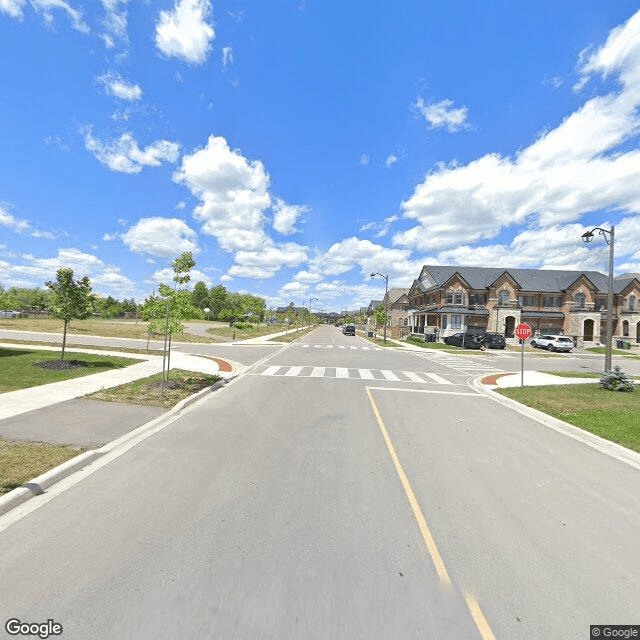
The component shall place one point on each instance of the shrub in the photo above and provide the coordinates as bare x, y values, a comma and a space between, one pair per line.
617, 380
242, 325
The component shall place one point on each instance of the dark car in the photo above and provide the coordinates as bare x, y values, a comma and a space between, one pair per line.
468, 340
349, 330
494, 341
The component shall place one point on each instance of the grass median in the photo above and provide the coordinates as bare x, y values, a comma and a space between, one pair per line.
611, 415
23, 368
292, 335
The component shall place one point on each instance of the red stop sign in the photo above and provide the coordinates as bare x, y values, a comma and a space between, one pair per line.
523, 331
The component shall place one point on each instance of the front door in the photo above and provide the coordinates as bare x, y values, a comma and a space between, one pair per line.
588, 330
509, 326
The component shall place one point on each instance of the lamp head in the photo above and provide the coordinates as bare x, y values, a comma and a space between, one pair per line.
373, 275
588, 236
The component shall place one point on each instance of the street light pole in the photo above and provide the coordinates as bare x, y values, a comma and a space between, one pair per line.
386, 301
609, 237
310, 301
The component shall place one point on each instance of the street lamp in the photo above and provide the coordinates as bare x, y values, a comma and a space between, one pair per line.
609, 236
386, 300
310, 301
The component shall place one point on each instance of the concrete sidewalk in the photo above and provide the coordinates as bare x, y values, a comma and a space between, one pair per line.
531, 379
22, 401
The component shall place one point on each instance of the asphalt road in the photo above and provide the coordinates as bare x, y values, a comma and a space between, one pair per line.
336, 493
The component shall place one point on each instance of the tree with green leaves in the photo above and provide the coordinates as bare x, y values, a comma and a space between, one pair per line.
200, 296
167, 312
380, 315
70, 300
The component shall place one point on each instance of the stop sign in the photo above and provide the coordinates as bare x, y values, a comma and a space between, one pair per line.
523, 331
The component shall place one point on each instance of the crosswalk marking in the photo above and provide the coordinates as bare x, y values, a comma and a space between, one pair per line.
269, 371
414, 377
343, 373
338, 346
436, 378
293, 371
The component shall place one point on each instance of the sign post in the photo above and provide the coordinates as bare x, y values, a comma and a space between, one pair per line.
523, 331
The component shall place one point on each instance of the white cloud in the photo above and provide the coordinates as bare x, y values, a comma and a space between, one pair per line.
441, 114
13, 8
164, 237
391, 160
34, 271
364, 160
116, 86
227, 56
381, 228
23, 226
569, 171
115, 22
233, 194
165, 276
184, 32
46, 8
124, 154
556, 82
180, 206
266, 262
286, 215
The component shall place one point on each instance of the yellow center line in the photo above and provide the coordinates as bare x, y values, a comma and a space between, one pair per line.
478, 618
422, 523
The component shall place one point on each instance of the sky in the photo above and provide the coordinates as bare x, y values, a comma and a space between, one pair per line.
297, 146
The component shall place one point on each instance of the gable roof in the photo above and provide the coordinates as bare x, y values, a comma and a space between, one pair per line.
542, 280
395, 293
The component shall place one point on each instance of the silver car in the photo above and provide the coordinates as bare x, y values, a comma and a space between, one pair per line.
553, 343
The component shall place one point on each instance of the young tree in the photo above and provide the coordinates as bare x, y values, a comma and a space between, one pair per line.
380, 315
217, 299
177, 302
70, 300
200, 296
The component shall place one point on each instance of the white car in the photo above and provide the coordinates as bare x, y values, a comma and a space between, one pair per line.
553, 343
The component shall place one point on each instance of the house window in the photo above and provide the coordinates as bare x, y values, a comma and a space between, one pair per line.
632, 303
449, 297
444, 322
552, 301
456, 322
458, 298
580, 300
503, 297
477, 299
625, 329
527, 301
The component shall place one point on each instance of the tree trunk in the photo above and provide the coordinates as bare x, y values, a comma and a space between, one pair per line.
64, 338
169, 357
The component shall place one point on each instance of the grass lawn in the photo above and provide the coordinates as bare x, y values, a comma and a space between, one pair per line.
24, 461
103, 328
149, 392
616, 352
18, 368
292, 335
93, 347
611, 415
244, 334
378, 341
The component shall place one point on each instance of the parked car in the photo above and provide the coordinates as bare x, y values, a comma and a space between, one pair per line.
494, 340
553, 343
469, 340
349, 330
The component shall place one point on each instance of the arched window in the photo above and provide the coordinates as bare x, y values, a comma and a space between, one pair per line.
503, 297
632, 303
580, 300
625, 329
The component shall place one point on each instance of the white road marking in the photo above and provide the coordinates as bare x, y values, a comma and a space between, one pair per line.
293, 371
436, 378
318, 372
414, 377
389, 375
269, 371
341, 372
366, 374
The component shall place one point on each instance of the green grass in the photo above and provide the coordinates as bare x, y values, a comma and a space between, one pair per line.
616, 352
149, 391
250, 332
103, 328
18, 368
76, 345
574, 374
611, 415
23, 461
378, 341
292, 335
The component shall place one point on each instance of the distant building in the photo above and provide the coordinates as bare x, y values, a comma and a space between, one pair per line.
448, 299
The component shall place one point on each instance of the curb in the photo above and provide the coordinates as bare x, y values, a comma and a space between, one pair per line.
37, 486
587, 438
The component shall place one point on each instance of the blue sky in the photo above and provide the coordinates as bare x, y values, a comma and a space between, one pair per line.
295, 147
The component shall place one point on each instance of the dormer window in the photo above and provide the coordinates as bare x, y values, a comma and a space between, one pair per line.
458, 297
632, 303
580, 300
449, 297
503, 297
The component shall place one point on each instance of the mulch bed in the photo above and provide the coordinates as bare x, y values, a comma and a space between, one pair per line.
59, 365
